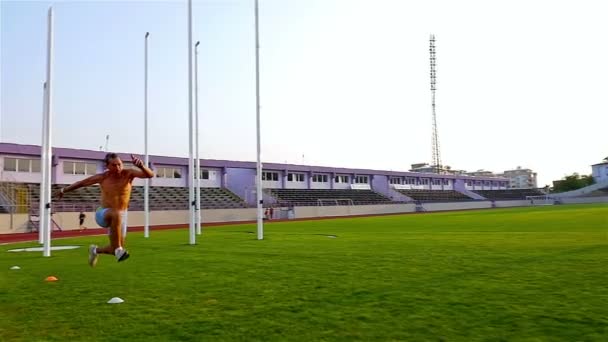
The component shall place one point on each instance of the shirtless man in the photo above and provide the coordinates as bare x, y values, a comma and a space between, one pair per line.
115, 185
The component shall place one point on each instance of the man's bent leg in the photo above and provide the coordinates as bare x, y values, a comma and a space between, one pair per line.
114, 218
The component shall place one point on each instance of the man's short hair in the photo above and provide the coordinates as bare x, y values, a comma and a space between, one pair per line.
109, 157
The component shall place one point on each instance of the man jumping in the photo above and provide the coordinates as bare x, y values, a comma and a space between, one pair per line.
115, 184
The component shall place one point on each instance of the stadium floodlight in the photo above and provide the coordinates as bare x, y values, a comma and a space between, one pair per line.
146, 156
259, 196
44, 222
436, 164
192, 202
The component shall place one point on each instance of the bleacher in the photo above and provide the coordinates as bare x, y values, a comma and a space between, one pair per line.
160, 198
509, 194
596, 193
310, 197
434, 195
176, 198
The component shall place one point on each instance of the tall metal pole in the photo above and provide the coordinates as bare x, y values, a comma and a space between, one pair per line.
146, 157
192, 202
260, 221
42, 167
46, 218
198, 161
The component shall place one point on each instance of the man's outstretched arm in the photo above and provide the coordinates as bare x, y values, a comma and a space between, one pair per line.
144, 171
80, 184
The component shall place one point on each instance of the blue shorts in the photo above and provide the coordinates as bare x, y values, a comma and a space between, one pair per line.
100, 218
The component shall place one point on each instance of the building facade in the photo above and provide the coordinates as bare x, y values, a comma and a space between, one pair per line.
521, 178
21, 164
600, 171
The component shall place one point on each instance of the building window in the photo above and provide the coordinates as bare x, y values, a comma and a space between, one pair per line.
91, 169
436, 181
35, 165
341, 179
446, 182
295, 177
320, 178
361, 180
425, 181
21, 165
79, 168
168, 172
204, 174
396, 181
270, 176
10, 164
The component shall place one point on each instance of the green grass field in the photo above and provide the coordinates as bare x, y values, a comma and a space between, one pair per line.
526, 274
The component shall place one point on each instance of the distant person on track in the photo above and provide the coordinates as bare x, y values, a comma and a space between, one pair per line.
81, 218
115, 183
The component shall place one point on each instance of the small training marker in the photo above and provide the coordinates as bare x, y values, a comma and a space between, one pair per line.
15, 268
331, 236
51, 278
115, 300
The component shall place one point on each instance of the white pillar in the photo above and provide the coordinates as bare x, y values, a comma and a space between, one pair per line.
191, 203
146, 157
47, 153
260, 221
198, 161
42, 195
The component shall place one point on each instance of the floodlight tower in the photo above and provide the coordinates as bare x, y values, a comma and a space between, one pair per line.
436, 164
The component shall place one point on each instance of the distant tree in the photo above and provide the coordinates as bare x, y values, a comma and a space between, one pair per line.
572, 182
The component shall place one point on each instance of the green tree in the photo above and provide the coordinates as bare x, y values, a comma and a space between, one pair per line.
572, 182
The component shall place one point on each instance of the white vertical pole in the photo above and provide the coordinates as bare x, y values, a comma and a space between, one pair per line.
260, 221
47, 160
43, 167
190, 133
146, 157
198, 161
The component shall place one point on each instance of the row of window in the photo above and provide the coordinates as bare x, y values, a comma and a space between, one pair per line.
168, 172
417, 181
86, 169
79, 168
299, 177
21, 165
83, 168
485, 183
320, 178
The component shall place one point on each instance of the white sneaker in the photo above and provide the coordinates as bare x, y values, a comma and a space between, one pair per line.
121, 254
93, 255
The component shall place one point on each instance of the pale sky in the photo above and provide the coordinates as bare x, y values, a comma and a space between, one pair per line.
344, 83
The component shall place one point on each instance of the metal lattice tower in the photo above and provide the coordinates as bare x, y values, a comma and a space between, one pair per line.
436, 163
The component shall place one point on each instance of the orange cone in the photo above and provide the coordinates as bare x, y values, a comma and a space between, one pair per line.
51, 278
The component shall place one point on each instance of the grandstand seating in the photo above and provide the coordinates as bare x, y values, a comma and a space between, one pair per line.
596, 193
509, 194
310, 197
161, 198
435, 195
